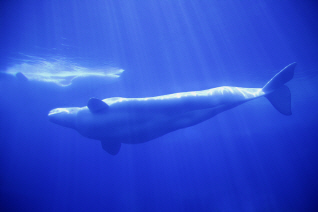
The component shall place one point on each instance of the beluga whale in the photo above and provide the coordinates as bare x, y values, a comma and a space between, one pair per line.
119, 120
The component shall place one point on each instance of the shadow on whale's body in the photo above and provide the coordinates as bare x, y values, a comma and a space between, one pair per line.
136, 120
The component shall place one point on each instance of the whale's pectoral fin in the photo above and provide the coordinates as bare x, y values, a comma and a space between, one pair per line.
111, 147
96, 105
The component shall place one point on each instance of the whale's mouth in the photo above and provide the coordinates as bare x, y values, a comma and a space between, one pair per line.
56, 115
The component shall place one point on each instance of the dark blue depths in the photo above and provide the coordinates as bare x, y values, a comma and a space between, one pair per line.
250, 158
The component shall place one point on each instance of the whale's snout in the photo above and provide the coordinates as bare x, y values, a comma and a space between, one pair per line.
63, 116
57, 114
55, 111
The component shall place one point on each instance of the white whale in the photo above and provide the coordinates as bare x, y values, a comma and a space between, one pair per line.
61, 72
135, 120
63, 81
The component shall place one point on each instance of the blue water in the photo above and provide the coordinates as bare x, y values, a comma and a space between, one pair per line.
250, 158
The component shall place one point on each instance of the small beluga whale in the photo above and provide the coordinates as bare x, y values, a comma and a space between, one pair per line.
60, 78
119, 120
61, 72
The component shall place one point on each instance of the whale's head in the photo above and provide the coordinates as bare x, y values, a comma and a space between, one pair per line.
65, 117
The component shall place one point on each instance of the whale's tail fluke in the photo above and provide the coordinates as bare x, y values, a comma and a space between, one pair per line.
280, 78
279, 94
281, 100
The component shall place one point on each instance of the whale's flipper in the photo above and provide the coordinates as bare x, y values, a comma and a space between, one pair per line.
96, 105
21, 77
279, 94
111, 147
281, 100
280, 78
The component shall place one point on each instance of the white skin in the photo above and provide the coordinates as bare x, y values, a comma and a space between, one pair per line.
138, 120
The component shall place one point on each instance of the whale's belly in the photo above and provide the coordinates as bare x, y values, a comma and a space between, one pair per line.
122, 126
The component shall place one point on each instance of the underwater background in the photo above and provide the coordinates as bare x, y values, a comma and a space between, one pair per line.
250, 158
